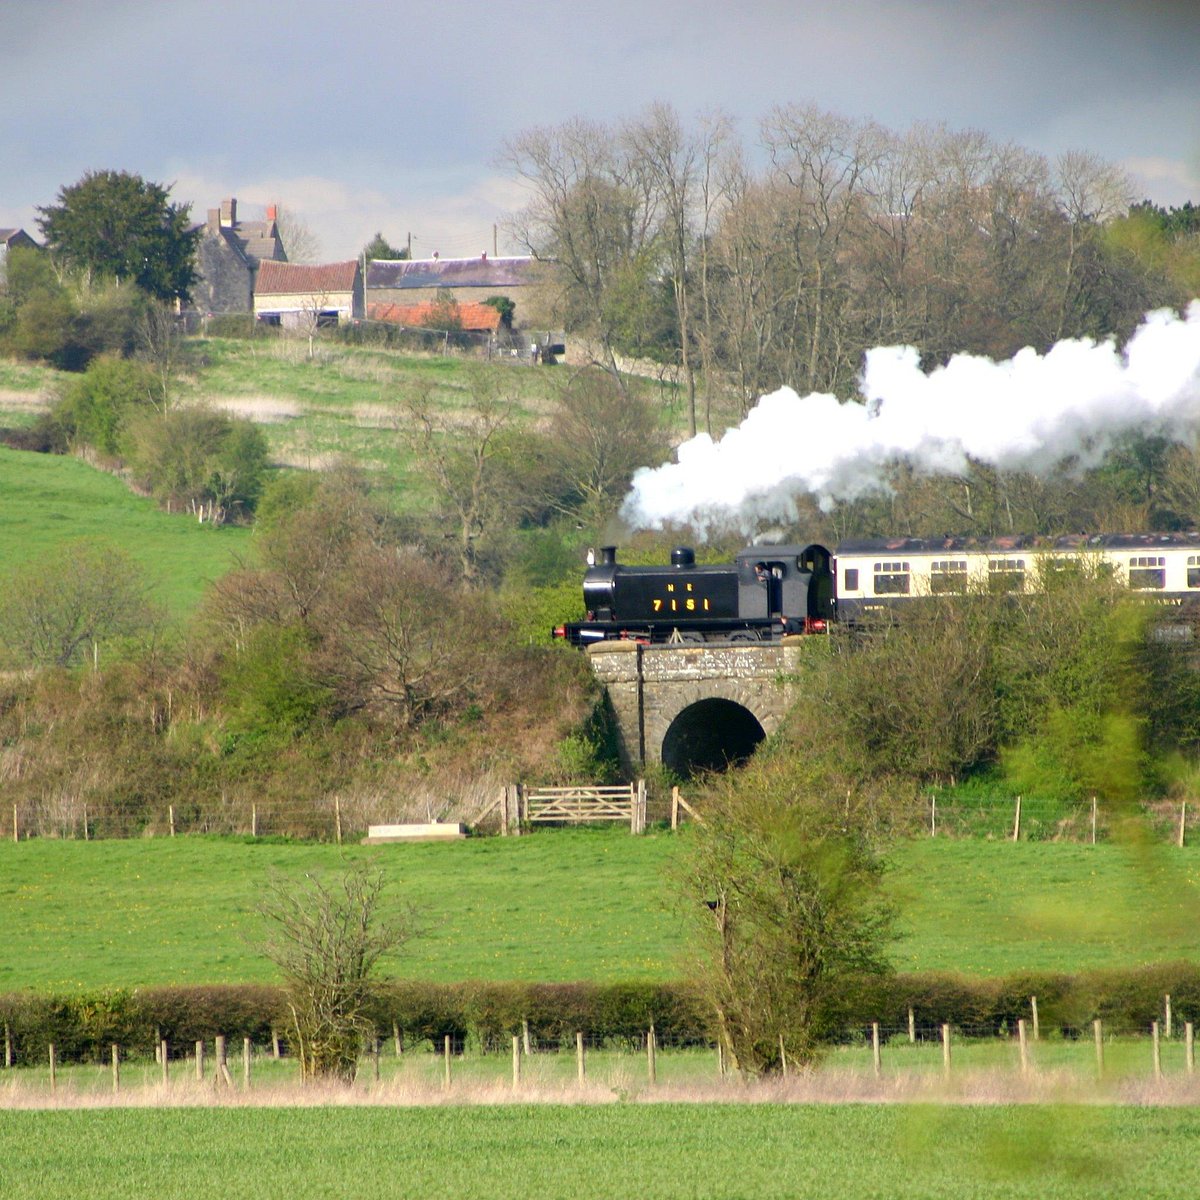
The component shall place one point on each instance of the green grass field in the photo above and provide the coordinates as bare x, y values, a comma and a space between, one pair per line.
48, 502
564, 905
620, 1150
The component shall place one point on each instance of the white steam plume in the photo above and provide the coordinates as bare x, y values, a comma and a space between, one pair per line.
1027, 413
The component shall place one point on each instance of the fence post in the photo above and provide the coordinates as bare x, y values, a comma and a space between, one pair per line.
674, 807
1016, 837
1093, 820
200, 1059
516, 1078
87, 838
580, 1062
912, 1026
16, 829
337, 818
933, 816
1154, 1038
275, 1044
375, 1057
223, 1061
446, 1055
53, 1069
876, 1057
8, 1046
651, 1064
171, 817
1167, 1014
1024, 1046
1098, 1035
1189, 1041
396, 1039
782, 1057
1037, 1029
1182, 826
945, 1048
525, 1035
721, 1069
246, 1056
504, 811
116, 1068
253, 820
165, 1056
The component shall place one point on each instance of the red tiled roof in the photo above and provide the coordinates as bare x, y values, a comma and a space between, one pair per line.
471, 316
296, 279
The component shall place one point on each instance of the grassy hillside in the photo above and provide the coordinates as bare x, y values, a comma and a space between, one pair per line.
564, 905
47, 501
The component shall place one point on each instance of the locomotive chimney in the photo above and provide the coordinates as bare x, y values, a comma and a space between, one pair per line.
683, 556
608, 555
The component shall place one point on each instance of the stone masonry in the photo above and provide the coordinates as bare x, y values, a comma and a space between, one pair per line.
650, 686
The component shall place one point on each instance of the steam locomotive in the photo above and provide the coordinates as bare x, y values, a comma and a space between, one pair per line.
766, 593
769, 592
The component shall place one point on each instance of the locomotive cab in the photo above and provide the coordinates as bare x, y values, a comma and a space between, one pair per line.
789, 583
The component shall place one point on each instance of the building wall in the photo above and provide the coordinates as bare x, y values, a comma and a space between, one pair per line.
226, 284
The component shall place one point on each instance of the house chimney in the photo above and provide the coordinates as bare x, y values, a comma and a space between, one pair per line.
214, 220
229, 212
483, 256
272, 212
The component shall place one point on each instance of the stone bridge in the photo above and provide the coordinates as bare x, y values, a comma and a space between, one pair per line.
696, 708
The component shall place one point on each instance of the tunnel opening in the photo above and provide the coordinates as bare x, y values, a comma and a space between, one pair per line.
711, 735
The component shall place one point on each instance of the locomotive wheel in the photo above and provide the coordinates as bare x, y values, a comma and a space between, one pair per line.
744, 635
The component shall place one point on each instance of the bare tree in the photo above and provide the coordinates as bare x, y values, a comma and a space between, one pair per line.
326, 937
299, 242
466, 458
591, 211
53, 612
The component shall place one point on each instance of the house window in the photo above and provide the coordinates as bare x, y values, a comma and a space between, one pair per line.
1147, 573
947, 575
1193, 571
850, 579
1006, 574
892, 579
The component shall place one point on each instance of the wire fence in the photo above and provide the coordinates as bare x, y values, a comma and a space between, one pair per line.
340, 818
1088, 1055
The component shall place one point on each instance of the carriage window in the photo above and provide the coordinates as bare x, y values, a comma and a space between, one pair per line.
948, 575
1006, 574
850, 579
1147, 572
891, 579
1193, 570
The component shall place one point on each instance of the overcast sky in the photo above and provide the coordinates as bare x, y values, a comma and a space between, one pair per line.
362, 116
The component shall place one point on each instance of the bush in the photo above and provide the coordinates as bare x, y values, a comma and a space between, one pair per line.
95, 408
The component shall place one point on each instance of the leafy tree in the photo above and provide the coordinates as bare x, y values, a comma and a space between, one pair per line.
327, 937
96, 407
54, 612
114, 224
379, 247
505, 307
785, 904
199, 459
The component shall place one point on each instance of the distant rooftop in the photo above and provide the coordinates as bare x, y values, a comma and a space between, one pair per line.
297, 279
482, 272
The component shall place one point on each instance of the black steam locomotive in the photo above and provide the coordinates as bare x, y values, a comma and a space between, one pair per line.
764, 594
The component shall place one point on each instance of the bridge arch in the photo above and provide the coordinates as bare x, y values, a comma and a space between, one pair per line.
710, 735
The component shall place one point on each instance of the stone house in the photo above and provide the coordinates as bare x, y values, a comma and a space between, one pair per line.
12, 239
292, 294
229, 256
